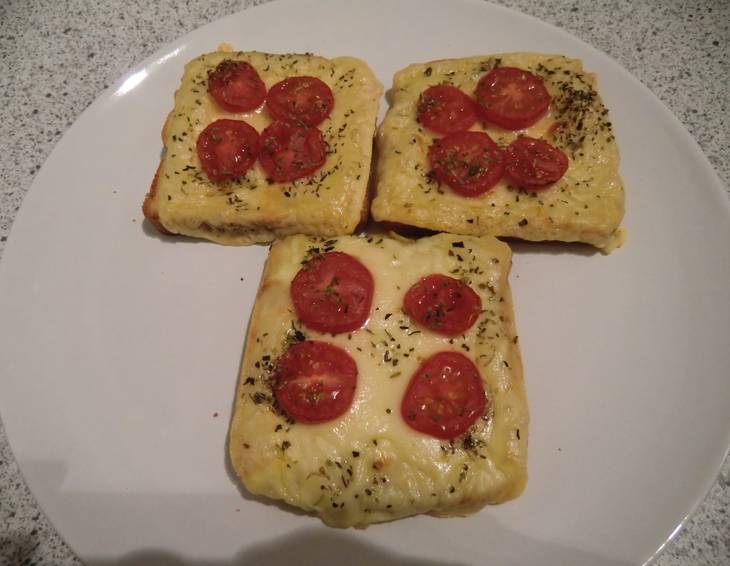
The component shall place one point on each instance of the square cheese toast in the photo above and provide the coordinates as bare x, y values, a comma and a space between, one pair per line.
331, 201
585, 205
386, 452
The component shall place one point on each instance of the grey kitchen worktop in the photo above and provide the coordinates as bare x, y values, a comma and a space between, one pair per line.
58, 56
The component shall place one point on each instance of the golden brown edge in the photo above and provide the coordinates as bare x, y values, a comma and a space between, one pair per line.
369, 188
149, 205
519, 380
255, 321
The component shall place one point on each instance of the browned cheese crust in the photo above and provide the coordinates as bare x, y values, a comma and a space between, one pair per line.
332, 201
368, 465
586, 205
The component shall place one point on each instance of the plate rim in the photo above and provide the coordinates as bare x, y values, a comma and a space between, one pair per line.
160, 55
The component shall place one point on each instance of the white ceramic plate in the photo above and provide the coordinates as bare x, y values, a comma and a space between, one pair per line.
119, 345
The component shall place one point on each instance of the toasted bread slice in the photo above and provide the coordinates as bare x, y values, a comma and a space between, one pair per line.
585, 205
368, 465
332, 201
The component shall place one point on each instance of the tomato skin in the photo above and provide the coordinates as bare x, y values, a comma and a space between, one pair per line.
468, 162
511, 98
227, 149
236, 86
315, 382
445, 109
290, 151
333, 293
300, 99
443, 304
534, 164
444, 397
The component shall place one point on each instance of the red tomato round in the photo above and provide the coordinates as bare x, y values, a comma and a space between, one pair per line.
227, 149
236, 86
315, 382
511, 98
533, 163
333, 293
443, 304
290, 151
446, 110
300, 99
445, 396
468, 162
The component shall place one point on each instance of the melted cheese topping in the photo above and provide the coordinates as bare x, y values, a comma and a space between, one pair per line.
330, 202
586, 205
368, 465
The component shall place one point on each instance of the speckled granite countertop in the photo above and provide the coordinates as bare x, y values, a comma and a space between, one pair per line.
680, 50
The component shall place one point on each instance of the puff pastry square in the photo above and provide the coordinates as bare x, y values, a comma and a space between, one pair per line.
368, 465
333, 201
586, 205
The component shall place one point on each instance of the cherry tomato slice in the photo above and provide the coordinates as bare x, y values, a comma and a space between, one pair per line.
445, 396
236, 86
469, 162
511, 98
446, 110
443, 304
315, 382
300, 99
333, 293
534, 164
290, 151
227, 149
